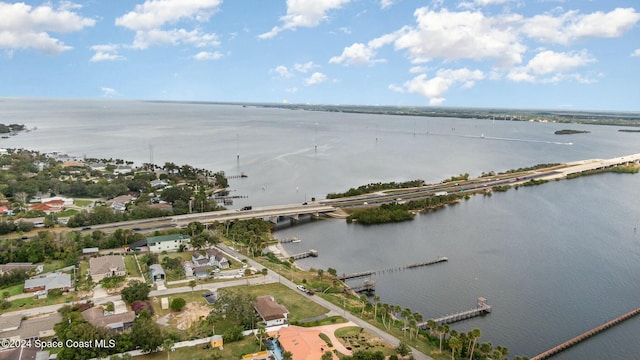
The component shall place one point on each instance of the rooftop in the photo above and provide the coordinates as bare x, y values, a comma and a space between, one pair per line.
269, 309
162, 238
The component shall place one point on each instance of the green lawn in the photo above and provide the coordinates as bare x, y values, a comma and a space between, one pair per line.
82, 203
297, 303
131, 266
52, 265
32, 302
69, 212
233, 350
13, 290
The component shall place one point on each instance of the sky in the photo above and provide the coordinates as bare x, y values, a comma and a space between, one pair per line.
551, 54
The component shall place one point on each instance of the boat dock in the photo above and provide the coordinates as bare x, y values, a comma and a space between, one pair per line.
410, 266
306, 254
481, 309
242, 175
367, 286
292, 239
584, 336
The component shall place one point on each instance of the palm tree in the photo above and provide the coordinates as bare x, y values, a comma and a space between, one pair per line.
262, 330
455, 345
412, 324
287, 355
405, 317
475, 334
418, 317
192, 284
167, 345
376, 301
364, 300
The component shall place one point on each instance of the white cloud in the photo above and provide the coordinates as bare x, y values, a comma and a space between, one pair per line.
361, 54
384, 4
144, 39
208, 55
148, 20
25, 27
396, 88
108, 92
481, 3
636, 53
417, 69
437, 86
316, 78
550, 67
154, 14
571, 26
306, 67
356, 54
106, 52
282, 71
462, 35
303, 13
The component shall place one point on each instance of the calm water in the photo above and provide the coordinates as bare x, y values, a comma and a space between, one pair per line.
553, 260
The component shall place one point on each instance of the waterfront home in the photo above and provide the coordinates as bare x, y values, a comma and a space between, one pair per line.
270, 311
106, 266
158, 244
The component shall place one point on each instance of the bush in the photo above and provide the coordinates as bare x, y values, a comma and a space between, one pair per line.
4, 304
139, 306
177, 304
54, 293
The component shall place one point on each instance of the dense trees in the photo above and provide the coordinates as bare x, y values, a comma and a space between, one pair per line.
136, 290
373, 187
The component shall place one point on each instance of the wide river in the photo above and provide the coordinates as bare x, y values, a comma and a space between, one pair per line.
553, 260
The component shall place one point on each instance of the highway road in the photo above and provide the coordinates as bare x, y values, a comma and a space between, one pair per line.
375, 199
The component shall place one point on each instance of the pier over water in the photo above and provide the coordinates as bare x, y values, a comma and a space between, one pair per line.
584, 336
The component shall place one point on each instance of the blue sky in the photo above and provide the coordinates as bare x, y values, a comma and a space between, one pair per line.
570, 54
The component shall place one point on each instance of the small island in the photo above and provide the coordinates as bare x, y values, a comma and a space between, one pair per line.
571, 132
629, 130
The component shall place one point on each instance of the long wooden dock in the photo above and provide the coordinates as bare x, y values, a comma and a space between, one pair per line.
481, 309
409, 266
584, 336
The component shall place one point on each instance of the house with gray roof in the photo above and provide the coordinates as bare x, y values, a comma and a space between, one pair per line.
97, 317
48, 282
156, 273
106, 266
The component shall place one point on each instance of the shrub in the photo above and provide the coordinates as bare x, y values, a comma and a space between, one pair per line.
177, 304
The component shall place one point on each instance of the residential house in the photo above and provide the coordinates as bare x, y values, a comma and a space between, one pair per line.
48, 282
171, 242
202, 271
270, 311
303, 343
120, 203
106, 266
65, 200
157, 184
156, 273
5, 268
46, 208
122, 169
17, 328
97, 317
213, 257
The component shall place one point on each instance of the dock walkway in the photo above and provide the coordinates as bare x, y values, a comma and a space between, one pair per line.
584, 336
481, 309
410, 266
